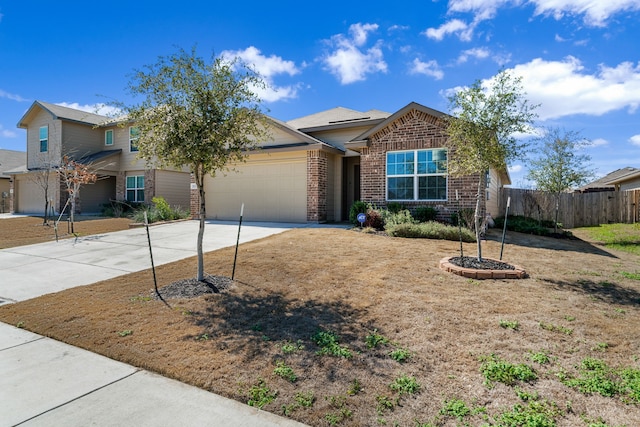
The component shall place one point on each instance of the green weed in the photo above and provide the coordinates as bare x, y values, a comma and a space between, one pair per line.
510, 324
384, 403
539, 357
354, 388
405, 385
556, 328
260, 395
329, 345
125, 333
292, 347
400, 355
374, 339
535, 414
455, 408
495, 369
284, 371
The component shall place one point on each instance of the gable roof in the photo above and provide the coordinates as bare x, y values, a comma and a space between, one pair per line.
607, 182
59, 112
395, 116
337, 118
10, 159
631, 173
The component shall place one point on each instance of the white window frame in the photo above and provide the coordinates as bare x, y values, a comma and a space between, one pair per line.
415, 175
108, 141
44, 140
133, 148
136, 188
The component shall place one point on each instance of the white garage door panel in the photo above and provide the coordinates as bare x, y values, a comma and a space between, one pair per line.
30, 196
271, 190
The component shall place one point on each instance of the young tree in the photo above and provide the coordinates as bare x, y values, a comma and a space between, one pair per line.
199, 115
559, 165
74, 174
42, 178
481, 131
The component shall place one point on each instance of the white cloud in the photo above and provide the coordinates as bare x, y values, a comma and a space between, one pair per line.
102, 109
268, 67
635, 140
349, 61
598, 142
478, 53
596, 13
515, 168
429, 68
6, 133
483, 9
455, 26
564, 88
11, 96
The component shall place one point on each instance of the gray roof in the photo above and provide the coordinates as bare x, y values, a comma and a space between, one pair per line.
65, 113
606, 181
336, 117
10, 159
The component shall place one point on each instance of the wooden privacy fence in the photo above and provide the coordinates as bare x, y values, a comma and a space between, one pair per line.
576, 209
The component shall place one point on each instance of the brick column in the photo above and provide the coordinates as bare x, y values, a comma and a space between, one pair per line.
12, 193
120, 186
317, 168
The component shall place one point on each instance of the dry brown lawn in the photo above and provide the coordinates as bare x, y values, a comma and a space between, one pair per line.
292, 285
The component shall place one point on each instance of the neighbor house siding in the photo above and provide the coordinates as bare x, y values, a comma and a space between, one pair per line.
80, 140
173, 187
630, 185
493, 191
36, 159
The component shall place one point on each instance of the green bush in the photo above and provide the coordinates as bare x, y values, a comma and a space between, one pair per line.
392, 219
374, 219
523, 224
160, 211
426, 213
357, 208
431, 230
394, 207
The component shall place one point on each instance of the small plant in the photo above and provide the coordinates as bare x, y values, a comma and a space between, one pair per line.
632, 276
526, 396
125, 333
354, 388
601, 346
510, 324
292, 347
341, 413
203, 337
400, 355
260, 395
284, 371
329, 345
455, 408
384, 403
569, 318
405, 385
594, 377
556, 328
535, 413
20, 325
305, 399
539, 357
391, 219
495, 369
374, 339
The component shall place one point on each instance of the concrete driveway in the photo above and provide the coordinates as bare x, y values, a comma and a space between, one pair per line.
30, 271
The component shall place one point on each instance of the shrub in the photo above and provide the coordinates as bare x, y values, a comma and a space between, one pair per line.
357, 207
374, 219
394, 207
523, 224
160, 211
431, 230
426, 213
392, 219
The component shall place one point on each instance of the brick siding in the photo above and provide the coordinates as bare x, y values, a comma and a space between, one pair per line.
317, 169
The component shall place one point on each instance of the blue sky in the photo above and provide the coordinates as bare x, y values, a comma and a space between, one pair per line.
579, 59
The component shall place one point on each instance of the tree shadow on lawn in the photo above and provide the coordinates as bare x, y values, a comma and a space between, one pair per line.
570, 244
606, 291
274, 317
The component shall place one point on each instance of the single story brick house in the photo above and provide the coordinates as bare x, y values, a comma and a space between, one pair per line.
318, 165
312, 170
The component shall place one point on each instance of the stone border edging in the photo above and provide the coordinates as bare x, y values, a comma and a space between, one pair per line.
472, 273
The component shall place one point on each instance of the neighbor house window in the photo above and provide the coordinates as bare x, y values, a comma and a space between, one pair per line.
417, 175
135, 188
134, 132
44, 139
108, 137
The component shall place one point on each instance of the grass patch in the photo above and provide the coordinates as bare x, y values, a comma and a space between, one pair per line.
329, 345
431, 230
494, 369
623, 237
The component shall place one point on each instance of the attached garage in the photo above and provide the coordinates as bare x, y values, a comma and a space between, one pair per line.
273, 187
30, 195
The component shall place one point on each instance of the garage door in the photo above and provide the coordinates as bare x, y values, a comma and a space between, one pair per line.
273, 187
30, 196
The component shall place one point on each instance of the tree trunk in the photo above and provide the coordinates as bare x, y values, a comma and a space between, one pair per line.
203, 213
477, 216
72, 213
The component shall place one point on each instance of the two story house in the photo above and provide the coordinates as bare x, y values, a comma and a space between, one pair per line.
108, 147
312, 170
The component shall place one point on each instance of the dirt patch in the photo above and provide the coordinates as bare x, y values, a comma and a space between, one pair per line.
292, 285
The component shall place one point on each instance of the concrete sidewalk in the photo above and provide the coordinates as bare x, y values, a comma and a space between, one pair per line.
44, 382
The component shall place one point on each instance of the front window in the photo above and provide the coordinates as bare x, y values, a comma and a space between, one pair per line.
134, 133
44, 139
108, 137
417, 175
135, 188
